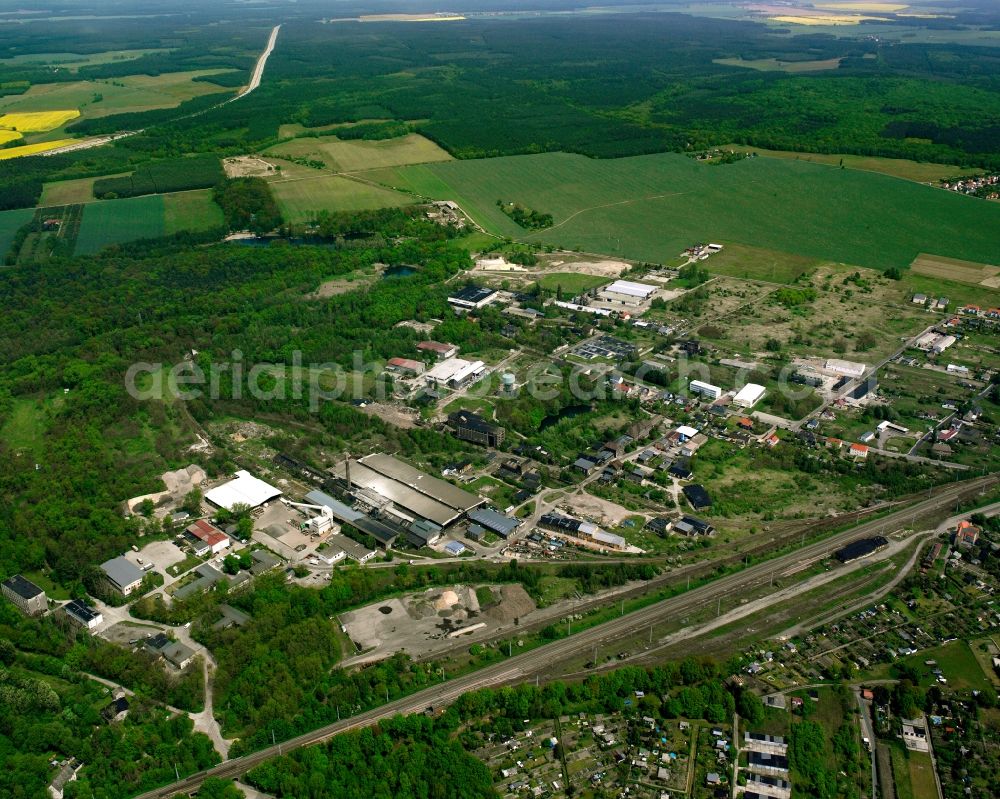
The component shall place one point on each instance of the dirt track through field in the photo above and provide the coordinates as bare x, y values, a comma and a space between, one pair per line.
607, 205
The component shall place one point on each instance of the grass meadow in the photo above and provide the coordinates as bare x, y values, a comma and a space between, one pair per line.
190, 210
300, 198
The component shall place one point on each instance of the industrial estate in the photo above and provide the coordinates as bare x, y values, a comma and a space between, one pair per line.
540, 403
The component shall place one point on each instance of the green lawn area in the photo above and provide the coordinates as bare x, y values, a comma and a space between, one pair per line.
957, 661
499, 493
571, 283
10, 223
912, 773
44, 582
190, 210
901, 771
480, 406
299, 199
25, 425
354, 155
652, 207
118, 221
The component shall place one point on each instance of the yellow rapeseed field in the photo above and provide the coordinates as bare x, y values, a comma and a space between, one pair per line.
33, 149
9, 135
37, 121
885, 8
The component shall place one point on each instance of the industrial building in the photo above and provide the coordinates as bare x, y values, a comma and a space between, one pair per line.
454, 548
174, 652
606, 347
705, 389
862, 548
404, 494
440, 351
84, 614
580, 529
697, 496
243, 489
208, 576
934, 342
749, 395
489, 519
455, 373
405, 366
206, 538
867, 387
689, 525
29, 598
845, 368
469, 426
625, 292
122, 575
473, 298
384, 534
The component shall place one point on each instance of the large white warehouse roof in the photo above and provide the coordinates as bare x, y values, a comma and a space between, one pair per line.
245, 489
749, 395
642, 290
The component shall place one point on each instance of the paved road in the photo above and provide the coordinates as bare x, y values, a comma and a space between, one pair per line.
258, 70
543, 661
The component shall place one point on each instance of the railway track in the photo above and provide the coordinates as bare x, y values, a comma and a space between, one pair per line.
543, 661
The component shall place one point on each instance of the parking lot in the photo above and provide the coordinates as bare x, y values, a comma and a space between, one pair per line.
162, 554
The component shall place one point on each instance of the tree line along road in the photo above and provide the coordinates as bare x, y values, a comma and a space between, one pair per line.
541, 661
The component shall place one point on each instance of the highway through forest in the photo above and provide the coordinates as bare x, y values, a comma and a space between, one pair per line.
543, 661
255, 79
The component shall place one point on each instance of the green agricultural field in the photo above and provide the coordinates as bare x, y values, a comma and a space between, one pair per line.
190, 210
299, 199
118, 221
73, 61
10, 223
355, 155
100, 98
70, 192
651, 207
920, 171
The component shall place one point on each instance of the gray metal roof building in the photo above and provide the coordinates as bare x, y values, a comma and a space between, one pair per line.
492, 520
385, 534
410, 489
25, 594
122, 573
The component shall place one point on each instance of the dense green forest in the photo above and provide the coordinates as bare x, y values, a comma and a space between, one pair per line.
159, 177
605, 86
614, 86
404, 758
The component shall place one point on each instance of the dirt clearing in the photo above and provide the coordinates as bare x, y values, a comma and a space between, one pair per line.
247, 166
